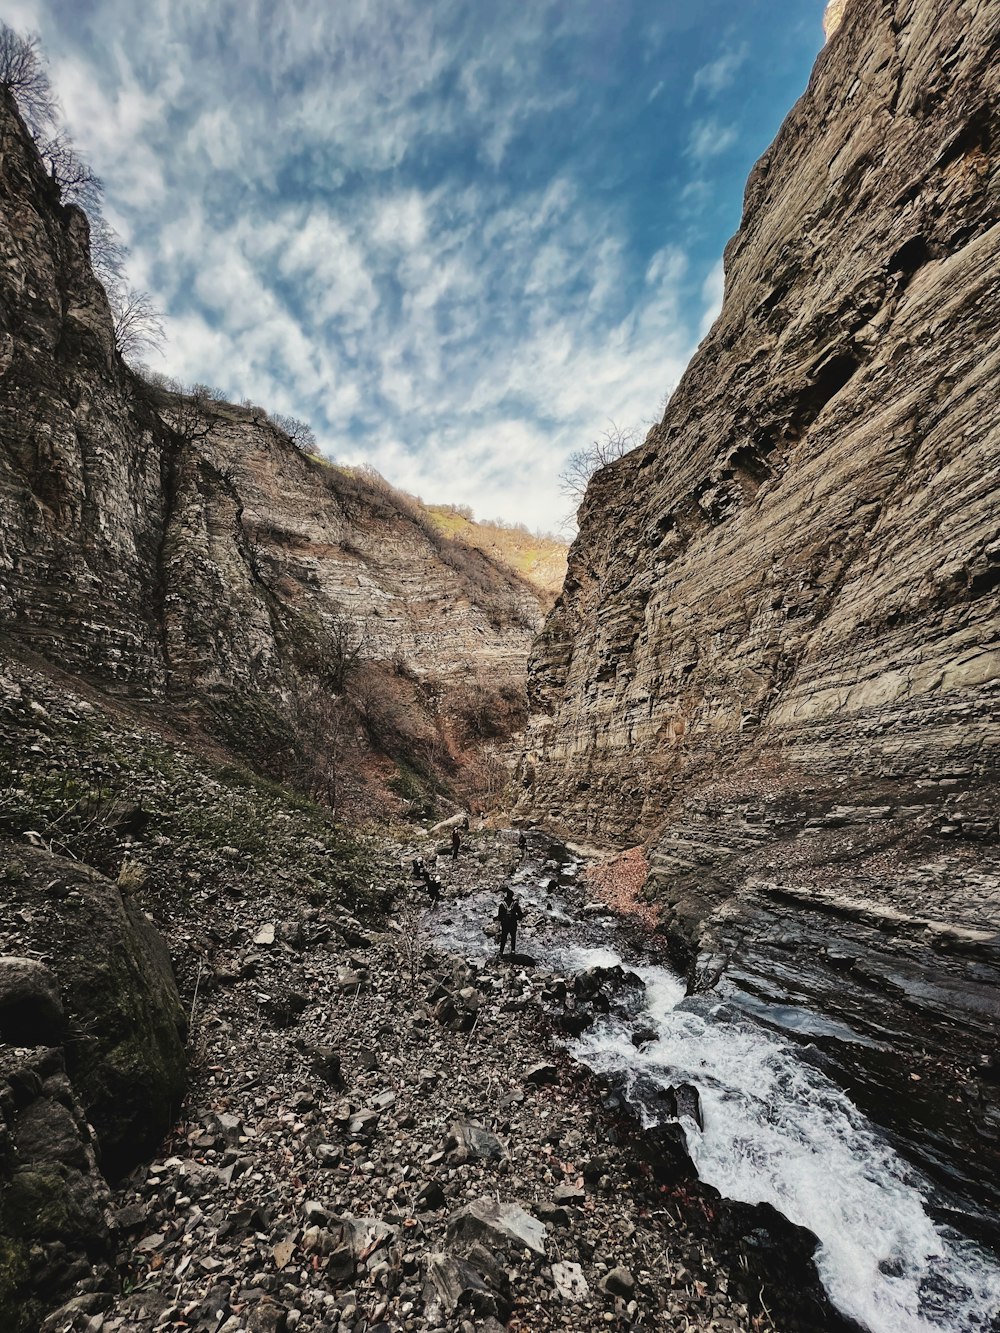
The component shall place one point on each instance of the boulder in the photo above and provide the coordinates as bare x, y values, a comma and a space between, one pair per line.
31, 1012
53, 1199
125, 1024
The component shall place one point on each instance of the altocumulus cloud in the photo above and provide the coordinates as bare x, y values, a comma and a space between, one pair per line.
454, 237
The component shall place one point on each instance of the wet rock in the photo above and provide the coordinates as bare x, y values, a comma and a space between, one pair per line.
682, 1101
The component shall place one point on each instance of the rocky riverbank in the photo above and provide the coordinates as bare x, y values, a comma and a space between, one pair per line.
379, 1136
377, 1133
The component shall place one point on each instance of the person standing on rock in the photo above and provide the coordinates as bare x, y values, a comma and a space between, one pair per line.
456, 842
522, 843
509, 914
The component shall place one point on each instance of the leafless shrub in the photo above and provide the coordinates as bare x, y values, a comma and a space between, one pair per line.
78, 183
137, 322
23, 73
107, 252
299, 432
610, 445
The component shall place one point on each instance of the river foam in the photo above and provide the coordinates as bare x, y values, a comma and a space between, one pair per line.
777, 1130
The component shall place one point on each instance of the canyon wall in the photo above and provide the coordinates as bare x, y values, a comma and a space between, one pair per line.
776, 656
183, 552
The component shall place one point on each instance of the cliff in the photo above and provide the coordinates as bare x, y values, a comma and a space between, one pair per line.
775, 657
183, 552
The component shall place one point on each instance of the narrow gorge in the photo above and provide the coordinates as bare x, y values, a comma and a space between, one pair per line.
743, 1073
775, 658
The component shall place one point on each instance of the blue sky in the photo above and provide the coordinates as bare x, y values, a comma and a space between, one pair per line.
458, 238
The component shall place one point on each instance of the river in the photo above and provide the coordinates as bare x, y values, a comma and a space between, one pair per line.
777, 1129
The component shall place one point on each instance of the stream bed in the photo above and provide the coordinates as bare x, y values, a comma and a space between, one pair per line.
776, 1129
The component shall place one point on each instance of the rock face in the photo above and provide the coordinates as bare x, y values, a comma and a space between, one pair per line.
183, 551
92, 1069
107, 997
775, 658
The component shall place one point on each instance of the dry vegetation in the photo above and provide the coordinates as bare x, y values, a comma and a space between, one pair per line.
618, 882
538, 557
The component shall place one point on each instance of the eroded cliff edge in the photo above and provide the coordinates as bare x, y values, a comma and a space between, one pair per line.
182, 552
776, 655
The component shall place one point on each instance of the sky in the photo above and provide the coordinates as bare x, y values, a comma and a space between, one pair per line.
460, 239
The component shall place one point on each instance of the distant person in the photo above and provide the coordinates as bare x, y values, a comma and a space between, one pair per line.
509, 914
522, 844
456, 842
433, 883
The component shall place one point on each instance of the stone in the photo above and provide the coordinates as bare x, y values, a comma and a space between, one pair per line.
265, 935
498, 1224
325, 1063
619, 1282
31, 1012
569, 1194
570, 1282
542, 1073
267, 1316
467, 1142
453, 1284
429, 1197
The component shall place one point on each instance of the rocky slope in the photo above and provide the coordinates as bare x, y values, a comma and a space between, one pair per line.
376, 1134
182, 550
775, 657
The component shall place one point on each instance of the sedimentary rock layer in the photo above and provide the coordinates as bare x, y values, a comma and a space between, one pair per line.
802, 558
183, 551
776, 655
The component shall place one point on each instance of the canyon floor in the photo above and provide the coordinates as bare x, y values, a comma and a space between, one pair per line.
378, 1133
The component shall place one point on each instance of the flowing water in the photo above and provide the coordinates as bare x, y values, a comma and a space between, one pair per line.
776, 1129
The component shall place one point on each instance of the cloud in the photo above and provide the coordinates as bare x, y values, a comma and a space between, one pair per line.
375, 217
714, 78
708, 139
712, 292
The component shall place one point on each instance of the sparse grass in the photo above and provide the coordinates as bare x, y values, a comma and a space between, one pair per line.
162, 818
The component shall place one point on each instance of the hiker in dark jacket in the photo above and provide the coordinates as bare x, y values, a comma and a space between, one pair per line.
456, 842
509, 914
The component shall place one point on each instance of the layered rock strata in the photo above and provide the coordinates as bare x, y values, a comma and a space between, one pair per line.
776, 654
182, 549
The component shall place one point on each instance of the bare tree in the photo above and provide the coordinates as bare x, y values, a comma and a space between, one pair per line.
108, 252
138, 324
611, 445
23, 73
299, 432
78, 183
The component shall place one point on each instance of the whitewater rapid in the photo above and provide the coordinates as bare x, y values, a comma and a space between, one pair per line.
777, 1130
